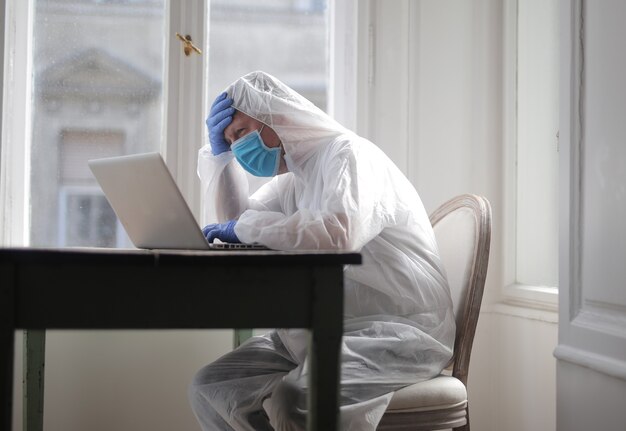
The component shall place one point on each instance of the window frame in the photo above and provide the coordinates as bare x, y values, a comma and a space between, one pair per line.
344, 25
513, 292
185, 104
16, 123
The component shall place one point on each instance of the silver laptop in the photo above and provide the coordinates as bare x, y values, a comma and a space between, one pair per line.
149, 204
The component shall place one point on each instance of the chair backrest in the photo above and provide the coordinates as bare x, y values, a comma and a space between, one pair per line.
462, 228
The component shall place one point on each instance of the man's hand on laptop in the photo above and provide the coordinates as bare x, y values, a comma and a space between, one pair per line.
225, 232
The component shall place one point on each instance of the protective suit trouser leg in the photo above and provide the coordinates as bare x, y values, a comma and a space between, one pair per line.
259, 386
363, 398
228, 394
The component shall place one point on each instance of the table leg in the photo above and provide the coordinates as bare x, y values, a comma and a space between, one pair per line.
324, 351
7, 341
7, 344
33, 383
241, 335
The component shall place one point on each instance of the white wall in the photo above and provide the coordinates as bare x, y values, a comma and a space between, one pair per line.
436, 107
591, 381
120, 380
512, 382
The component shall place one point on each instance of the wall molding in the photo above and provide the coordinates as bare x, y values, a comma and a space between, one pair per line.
609, 308
575, 167
602, 319
600, 363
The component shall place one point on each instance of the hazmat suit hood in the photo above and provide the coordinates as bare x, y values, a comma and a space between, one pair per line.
301, 126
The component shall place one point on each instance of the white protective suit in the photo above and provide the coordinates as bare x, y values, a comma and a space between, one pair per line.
342, 193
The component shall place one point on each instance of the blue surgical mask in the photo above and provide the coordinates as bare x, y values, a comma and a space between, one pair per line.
256, 157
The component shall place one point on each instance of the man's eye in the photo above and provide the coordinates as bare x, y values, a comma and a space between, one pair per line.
239, 132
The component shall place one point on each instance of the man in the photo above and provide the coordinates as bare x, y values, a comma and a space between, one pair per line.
331, 190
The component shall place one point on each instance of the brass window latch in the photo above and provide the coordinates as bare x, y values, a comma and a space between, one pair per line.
188, 46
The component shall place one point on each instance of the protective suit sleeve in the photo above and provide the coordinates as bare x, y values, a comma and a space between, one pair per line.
276, 195
348, 218
224, 186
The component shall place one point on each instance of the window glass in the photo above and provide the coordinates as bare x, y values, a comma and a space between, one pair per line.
97, 92
286, 38
537, 142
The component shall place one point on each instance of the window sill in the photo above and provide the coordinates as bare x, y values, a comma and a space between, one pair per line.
530, 302
538, 297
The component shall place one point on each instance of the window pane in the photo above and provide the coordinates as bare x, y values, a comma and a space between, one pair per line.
286, 38
97, 92
537, 128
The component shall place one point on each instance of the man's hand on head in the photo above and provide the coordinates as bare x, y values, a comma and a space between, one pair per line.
220, 116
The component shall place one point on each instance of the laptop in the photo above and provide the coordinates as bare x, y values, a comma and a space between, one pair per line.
150, 206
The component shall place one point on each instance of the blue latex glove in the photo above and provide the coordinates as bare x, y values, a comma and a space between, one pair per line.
220, 117
225, 232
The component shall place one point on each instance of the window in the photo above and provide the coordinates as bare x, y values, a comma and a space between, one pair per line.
533, 119
99, 78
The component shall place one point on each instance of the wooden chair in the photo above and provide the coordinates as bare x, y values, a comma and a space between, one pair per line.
463, 230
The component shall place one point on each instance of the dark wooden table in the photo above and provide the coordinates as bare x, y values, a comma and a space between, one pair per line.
141, 289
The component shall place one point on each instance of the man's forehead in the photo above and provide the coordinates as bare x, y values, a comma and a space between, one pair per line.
241, 117
238, 119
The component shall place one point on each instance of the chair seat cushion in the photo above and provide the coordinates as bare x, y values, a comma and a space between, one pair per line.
441, 392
